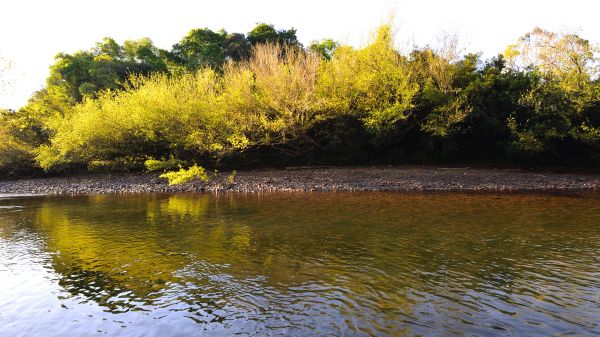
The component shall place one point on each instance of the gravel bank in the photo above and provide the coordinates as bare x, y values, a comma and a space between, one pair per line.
404, 179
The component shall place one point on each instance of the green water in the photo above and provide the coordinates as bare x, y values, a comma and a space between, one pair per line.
361, 264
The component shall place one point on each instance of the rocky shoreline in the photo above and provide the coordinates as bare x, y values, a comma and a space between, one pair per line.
401, 179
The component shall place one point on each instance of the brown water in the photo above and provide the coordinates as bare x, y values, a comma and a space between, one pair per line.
362, 264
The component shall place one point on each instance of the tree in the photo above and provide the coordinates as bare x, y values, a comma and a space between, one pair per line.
264, 33
324, 48
145, 54
442, 102
237, 47
106, 66
566, 58
563, 103
16, 150
375, 83
201, 48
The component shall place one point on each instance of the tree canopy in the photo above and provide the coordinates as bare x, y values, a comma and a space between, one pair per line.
219, 98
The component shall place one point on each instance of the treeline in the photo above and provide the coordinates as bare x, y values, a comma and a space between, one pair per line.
221, 99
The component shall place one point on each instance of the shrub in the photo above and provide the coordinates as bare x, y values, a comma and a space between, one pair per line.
157, 115
16, 154
184, 175
375, 83
162, 165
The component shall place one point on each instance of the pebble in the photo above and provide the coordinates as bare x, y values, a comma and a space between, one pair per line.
400, 179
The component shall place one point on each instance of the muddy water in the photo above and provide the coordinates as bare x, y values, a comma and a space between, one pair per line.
324, 264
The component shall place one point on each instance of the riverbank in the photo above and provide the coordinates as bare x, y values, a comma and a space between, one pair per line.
401, 178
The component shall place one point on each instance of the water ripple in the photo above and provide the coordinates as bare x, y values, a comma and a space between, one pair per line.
300, 265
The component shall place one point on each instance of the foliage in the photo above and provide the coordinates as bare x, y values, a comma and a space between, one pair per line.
106, 66
275, 93
15, 154
164, 115
231, 177
206, 48
374, 82
184, 175
264, 33
264, 101
562, 104
324, 48
162, 165
201, 48
262, 98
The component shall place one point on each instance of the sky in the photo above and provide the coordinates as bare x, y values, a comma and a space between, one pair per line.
32, 32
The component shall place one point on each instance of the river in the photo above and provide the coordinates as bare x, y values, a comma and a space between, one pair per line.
306, 264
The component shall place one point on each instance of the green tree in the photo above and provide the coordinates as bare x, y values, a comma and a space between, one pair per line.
201, 48
16, 154
237, 47
563, 102
144, 53
324, 48
104, 67
264, 33
375, 83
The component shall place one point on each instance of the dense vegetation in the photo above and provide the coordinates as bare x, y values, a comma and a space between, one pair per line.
220, 99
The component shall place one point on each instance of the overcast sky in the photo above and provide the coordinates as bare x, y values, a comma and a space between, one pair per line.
32, 32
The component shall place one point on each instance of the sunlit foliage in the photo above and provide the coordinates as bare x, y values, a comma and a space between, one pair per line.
217, 96
564, 100
185, 175
15, 152
375, 82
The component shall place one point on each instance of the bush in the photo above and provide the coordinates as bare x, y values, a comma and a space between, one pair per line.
155, 116
15, 155
163, 165
269, 99
184, 175
374, 83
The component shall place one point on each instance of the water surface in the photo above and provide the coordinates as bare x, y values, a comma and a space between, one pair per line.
326, 264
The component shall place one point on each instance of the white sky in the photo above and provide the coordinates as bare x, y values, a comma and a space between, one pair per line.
32, 32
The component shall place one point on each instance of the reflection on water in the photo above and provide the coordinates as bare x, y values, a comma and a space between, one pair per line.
360, 264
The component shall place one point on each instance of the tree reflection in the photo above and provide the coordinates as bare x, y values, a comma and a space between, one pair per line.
379, 258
